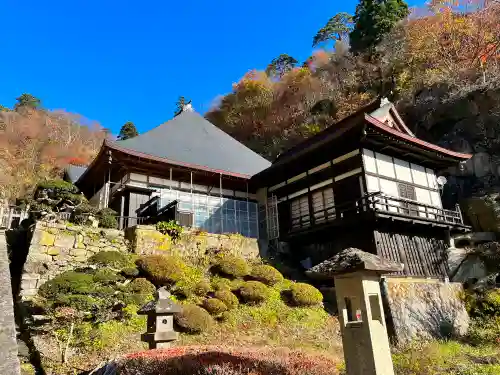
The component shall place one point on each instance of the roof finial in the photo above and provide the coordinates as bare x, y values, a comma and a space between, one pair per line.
384, 101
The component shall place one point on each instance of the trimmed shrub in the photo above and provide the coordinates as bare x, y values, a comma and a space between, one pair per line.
162, 270
138, 292
69, 282
80, 214
58, 186
193, 319
229, 299
114, 259
107, 218
254, 292
78, 302
141, 286
266, 274
233, 266
107, 276
219, 283
202, 288
214, 306
303, 294
130, 272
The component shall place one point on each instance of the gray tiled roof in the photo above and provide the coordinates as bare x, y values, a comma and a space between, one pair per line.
190, 138
74, 172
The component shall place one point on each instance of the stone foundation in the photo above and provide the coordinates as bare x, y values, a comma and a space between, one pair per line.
422, 308
146, 239
57, 248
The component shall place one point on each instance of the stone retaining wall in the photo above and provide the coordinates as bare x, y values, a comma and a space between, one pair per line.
145, 239
422, 308
56, 248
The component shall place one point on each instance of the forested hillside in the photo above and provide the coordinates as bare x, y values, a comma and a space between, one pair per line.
436, 57
36, 144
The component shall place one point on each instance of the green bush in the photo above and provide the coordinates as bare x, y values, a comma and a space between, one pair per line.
305, 295
130, 272
484, 304
219, 283
114, 259
80, 214
138, 292
202, 288
266, 274
254, 292
171, 228
229, 299
107, 218
162, 270
58, 186
69, 282
233, 266
107, 276
78, 302
214, 306
193, 319
484, 331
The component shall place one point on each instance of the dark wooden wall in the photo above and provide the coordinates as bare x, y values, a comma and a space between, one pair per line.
423, 253
132, 202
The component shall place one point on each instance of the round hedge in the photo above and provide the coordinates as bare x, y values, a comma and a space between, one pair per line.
221, 284
193, 319
202, 288
214, 306
229, 299
305, 295
114, 259
254, 292
266, 274
162, 270
106, 276
130, 272
69, 282
233, 266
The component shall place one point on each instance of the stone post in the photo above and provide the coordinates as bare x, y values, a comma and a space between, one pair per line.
160, 325
361, 314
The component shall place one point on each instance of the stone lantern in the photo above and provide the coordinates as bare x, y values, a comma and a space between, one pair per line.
357, 277
160, 326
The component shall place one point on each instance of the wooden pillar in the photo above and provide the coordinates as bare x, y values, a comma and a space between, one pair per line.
221, 210
122, 211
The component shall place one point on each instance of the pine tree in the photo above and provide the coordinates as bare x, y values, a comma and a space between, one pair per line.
280, 65
337, 29
127, 131
27, 101
374, 19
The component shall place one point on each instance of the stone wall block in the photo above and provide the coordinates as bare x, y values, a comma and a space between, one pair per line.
64, 240
78, 252
46, 238
53, 250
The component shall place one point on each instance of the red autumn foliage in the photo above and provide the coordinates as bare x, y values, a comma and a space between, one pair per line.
36, 144
224, 361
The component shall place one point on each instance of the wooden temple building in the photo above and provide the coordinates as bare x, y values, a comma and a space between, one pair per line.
185, 169
365, 182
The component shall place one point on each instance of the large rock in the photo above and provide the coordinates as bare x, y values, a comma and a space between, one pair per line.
425, 309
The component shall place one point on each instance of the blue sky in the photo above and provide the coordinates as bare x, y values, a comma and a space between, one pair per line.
117, 61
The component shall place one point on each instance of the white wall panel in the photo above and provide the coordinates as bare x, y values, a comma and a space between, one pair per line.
369, 160
403, 171
372, 184
436, 199
389, 187
419, 175
431, 178
423, 196
384, 165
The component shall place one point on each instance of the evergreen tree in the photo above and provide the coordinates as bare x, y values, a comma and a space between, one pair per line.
27, 101
374, 19
179, 105
127, 131
280, 65
337, 28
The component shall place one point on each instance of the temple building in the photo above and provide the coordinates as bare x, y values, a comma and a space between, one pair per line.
366, 182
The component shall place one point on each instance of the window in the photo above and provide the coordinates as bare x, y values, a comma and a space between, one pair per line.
407, 191
323, 205
299, 212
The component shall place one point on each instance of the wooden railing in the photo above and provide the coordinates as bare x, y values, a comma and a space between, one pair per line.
378, 202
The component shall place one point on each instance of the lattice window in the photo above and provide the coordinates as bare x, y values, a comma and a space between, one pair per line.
299, 212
